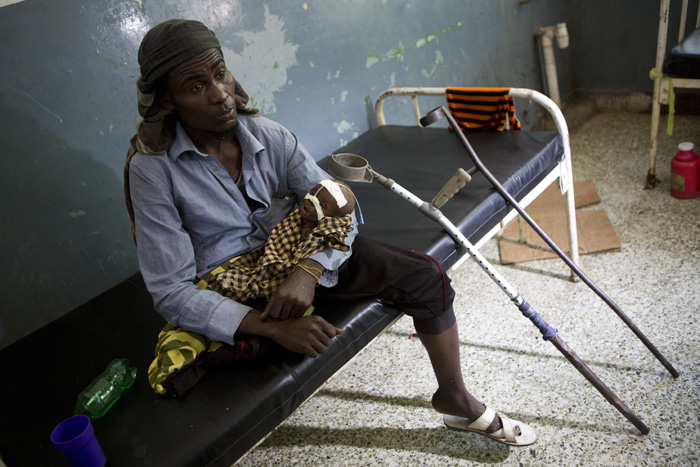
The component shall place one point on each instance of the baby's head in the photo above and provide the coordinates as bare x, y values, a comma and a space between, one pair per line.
327, 199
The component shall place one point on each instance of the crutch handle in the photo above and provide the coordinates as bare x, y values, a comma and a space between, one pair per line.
453, 185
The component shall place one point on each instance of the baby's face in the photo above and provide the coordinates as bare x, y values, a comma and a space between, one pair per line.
328, 204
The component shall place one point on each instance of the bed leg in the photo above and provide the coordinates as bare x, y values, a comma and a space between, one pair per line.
571, 218
654, 146
656, 104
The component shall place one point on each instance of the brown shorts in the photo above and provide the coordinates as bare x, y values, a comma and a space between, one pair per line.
413, 282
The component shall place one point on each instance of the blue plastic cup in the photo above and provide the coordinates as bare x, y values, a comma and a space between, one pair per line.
75, 438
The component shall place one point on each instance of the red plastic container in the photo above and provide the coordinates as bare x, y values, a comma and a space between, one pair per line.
685, 172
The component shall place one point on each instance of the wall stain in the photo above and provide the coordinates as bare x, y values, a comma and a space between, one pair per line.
398, 53
438, 61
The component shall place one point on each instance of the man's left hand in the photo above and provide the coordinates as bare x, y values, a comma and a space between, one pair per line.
295, 295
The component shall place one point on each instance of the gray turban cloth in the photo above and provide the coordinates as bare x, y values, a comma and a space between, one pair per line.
162, 49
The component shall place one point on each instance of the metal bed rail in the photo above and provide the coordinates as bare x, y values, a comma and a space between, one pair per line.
563, 172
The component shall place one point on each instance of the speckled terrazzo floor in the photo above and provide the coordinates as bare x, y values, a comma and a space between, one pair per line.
377, 410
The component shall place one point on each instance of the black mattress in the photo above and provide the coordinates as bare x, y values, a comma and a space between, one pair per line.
422, 160
215, 423
683, 60
232, 408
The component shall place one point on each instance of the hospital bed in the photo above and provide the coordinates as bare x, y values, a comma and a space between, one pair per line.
679, 68
234, 408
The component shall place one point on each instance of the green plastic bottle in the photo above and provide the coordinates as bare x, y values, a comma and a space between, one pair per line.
101, 394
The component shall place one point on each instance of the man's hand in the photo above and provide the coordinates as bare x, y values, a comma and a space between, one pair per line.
310, 335
295, 295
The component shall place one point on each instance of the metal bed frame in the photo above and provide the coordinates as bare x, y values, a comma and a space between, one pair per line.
562, 171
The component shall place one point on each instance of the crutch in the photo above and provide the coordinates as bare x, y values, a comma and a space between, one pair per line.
351, 167
436, 115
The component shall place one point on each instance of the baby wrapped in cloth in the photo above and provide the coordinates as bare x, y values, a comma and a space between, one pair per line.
321, 220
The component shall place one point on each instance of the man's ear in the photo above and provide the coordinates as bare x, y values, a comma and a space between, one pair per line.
164, 99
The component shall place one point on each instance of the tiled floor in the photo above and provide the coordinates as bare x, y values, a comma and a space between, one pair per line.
377, 410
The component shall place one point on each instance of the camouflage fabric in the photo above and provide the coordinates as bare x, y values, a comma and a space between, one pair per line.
176, 349
184, 357
257, 274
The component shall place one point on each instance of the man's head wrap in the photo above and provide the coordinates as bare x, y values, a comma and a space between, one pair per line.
163, 48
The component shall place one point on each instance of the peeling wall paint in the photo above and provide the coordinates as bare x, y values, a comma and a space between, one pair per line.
398, 52
343, 126
263, 64
9, 2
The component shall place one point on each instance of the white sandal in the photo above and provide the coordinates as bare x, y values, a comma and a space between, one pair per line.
507, 435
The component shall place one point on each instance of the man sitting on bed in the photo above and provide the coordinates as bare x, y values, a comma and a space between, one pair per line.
207, 179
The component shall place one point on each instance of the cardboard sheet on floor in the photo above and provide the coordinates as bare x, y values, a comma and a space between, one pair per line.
595, 231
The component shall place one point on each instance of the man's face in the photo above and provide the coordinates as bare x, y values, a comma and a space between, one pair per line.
201, 92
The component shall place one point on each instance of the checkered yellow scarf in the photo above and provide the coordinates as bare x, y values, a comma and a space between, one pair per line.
257, 274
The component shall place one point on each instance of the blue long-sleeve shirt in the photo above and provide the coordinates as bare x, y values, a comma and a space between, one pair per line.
190, 217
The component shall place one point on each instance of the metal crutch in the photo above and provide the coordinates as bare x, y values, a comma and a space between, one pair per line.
436, 115
352, 167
